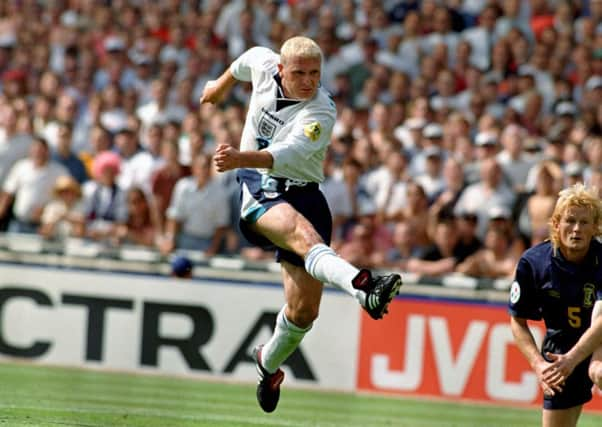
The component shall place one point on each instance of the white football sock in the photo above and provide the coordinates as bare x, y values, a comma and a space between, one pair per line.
323, 264
282, 344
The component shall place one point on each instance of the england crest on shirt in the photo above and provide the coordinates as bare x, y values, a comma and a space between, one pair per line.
266, 128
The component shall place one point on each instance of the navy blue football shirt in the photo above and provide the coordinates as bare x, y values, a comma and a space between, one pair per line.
562, 293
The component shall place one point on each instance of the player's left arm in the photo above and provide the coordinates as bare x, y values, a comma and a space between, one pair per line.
564, 364
227, 157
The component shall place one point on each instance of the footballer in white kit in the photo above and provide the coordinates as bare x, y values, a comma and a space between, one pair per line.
279, 166
296, 133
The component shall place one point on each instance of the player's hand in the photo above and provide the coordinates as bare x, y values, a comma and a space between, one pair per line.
226, 158
211, 93
559, 370
550, 383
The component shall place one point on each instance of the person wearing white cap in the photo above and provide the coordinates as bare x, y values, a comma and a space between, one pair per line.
573, 172
432, 178
486, 146
490, 190
514, 161
409, 132
432, 137
115, 58
592, 92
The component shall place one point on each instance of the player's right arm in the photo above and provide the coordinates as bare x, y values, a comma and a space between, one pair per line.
524, 305
216, 90
247, 68
526, 344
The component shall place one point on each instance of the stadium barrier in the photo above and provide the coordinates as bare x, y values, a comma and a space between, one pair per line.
451, 341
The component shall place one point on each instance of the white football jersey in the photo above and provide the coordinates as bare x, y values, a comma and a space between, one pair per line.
295, 132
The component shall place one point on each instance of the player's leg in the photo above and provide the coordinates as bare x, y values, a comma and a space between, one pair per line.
595, 368
288, 229
303, 294
561, 417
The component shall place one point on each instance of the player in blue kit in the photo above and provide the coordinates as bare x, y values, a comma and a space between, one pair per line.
280, 164
560, 281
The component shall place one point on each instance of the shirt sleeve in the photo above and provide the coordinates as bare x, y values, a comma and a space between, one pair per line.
174, 211
11, 183
223, 218
255, 60
523, 293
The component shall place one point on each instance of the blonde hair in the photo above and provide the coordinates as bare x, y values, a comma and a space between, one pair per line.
577, 195
299, 47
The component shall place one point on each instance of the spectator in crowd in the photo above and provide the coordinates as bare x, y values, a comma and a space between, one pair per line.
14, 145
495, 260
441, 257
403, 247
159, 110
127, 146
88, 119
166, 176
197, 216
100, 140
432, 179
595, 179
381, 181
64, 112
346, 193
489, 191
540, 204
573, 172
142, 224
63, 216
360, 248
113, 116
145, 161
452, 186
593, 152
486, 146
28, 187
514, 161
431, 142
104, 200
501, 217
414, 210
468, 241
64, 155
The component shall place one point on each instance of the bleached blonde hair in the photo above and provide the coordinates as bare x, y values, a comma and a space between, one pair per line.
577, 195
299, 47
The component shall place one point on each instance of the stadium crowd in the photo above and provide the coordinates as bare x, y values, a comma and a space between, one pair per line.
458, 122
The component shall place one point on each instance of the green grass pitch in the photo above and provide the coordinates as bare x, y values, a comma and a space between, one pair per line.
43, 396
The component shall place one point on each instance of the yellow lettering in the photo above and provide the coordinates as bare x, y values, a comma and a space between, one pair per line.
574, 318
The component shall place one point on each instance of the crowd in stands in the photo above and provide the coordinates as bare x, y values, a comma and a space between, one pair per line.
458, 122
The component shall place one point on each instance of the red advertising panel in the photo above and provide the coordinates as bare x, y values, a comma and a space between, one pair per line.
449, 349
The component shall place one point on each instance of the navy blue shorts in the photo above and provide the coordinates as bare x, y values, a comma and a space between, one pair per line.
259, 193
578, 387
